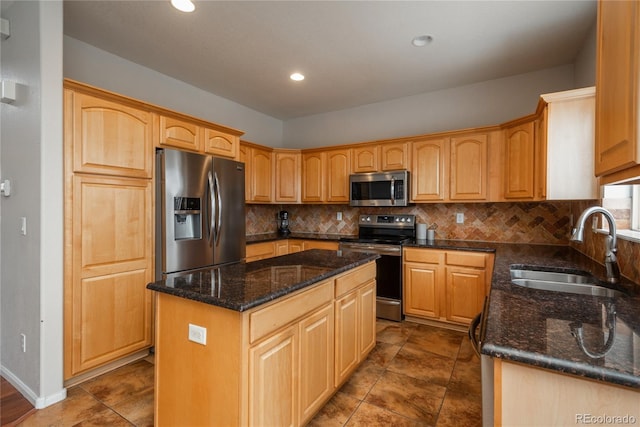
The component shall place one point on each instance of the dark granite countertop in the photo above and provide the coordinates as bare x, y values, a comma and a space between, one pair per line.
242, 286
268, 237
535, 326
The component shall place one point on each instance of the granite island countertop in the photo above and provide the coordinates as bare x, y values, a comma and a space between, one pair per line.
535, 327
242, 286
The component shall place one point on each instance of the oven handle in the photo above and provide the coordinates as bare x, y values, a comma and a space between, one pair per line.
378, 249
393, 191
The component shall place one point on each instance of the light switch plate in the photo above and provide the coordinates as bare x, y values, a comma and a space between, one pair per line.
460, 218
198, 334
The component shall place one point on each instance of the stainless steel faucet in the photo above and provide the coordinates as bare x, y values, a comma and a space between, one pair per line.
610, 259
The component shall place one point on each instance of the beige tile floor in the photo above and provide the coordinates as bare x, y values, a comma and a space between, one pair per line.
417, 375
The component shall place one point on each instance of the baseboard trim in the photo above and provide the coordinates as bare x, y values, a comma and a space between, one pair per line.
38, 402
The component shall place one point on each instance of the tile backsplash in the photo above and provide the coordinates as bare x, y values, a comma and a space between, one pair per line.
547, 222
536, 223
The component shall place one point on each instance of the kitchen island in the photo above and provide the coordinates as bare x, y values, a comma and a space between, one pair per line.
261, 343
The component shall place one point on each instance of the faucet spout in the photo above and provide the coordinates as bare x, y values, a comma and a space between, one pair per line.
610, 259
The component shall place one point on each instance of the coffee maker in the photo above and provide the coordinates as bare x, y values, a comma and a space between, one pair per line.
283, 223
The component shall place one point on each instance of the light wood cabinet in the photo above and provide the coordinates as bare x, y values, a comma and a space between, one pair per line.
394, 156
316, 367
180, 134
108, 229
258, 162
617, 79
313, 181
429, 158
519, 161
110, 258
287, 176
277, 367
319, 244
365, 158
262, 250
295, 245
282, 247
354, 321
221, 144
446, 286
108, 137
338, 168
520, 391
468, 167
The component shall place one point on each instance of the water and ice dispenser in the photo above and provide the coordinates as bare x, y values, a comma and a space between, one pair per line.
187, 219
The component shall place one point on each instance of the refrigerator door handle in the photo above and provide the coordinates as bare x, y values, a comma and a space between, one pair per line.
213, 207
218, 208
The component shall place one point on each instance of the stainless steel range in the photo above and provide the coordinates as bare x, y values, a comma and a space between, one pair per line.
384, 235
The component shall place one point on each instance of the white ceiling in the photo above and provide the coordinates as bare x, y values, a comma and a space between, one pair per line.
352, 52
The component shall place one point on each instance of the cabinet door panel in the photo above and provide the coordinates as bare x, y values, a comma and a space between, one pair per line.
313, 177
421, 295
287, 177
367, 301
469, 167
617, 79
465, 292
519, 162
113, 318
221, 144
110, 138
316, 362
338, 169
179, 134
273, 372
346, 336
394, 156
365, 159
261, 175
427, 174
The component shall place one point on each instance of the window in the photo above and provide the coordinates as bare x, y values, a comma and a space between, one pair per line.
623, 201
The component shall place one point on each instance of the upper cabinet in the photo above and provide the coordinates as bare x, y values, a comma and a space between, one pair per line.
221, 144
428, 160
394, 156
287, 176
108, 137
258, 172
617, 81
365, 158
338, 165
468, 173
181, 134
519, 161
313, 177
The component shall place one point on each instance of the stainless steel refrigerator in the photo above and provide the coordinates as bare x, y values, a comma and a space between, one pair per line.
200, 218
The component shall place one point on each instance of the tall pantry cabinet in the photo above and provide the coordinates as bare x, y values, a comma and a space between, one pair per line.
108, 230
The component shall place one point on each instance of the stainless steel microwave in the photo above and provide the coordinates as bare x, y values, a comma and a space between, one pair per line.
379, 189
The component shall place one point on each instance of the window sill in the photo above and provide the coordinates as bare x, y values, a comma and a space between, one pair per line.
632, 236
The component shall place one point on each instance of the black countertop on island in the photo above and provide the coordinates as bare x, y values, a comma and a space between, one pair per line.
242, 286
536, 327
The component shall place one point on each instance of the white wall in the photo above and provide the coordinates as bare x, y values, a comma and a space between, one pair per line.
585, 72
31, 157
482, 104
88, 64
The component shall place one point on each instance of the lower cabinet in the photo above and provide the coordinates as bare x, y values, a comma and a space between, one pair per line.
447, 286
269, 366
262, 250
544, 398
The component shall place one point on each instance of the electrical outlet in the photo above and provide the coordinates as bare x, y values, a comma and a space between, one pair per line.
198, 334
460, 218
23, 343
339, 216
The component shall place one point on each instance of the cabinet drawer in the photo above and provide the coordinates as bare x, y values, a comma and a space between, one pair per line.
275, 316
355, 278
265, 250
466, 259
423, 255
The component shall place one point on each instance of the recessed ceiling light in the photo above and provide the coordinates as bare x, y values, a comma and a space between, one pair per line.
420, 41
183, 5
296, 77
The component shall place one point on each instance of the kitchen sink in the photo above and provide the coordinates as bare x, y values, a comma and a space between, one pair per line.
561, 282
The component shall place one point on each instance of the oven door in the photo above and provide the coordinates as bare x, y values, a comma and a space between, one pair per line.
388, 277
